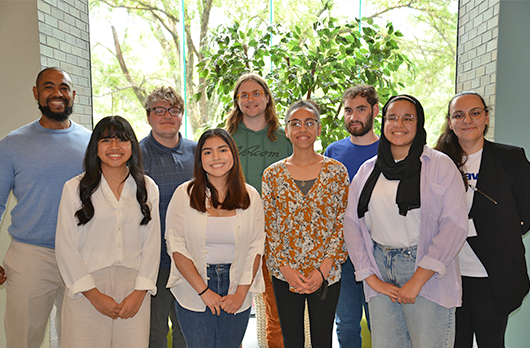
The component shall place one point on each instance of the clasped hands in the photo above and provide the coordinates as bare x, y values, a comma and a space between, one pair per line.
301, 283
229, 303
406, 294
107, 306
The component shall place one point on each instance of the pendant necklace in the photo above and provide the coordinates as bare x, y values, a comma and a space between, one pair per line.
303, 177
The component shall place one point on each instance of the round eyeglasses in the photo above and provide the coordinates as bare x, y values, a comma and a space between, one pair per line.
474, 114
308, 123
406, 119
161, 111
255, 95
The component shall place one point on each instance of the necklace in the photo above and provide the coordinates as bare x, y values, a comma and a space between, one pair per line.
113, 181
303, 177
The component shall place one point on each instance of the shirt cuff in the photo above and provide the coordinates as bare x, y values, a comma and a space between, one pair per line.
84, 284
145, 284
433, 265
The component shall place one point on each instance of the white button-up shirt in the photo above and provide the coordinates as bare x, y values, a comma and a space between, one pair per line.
186, 233
113, 237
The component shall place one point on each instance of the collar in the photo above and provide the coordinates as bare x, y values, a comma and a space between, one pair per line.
161, 149
242, 126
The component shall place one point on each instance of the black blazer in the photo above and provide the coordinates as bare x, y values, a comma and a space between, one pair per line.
504, 175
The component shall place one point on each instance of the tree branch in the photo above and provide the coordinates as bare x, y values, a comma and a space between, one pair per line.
137, 91
388, 9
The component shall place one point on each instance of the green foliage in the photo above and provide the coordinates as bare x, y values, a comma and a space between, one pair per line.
319, 65
430, 28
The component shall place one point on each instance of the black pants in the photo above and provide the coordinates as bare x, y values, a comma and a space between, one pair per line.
291, 312
479, 315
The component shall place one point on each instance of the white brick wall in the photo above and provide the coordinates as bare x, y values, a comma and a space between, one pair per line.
477, 51
64, 42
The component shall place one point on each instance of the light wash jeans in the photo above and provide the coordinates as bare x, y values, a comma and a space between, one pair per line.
423, 324
350, 308
205, 330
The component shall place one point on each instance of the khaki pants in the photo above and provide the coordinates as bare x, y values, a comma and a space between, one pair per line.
33, 286
85, 327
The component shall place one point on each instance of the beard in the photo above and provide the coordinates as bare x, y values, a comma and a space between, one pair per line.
365, 127
57, 116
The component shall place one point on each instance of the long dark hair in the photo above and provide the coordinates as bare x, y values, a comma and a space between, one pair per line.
235, 116
448, 141
236, 196
111, 127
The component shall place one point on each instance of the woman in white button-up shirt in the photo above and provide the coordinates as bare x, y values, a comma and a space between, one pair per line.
215, 235
108, 243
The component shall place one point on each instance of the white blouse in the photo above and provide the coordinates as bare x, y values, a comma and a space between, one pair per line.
113, 237
186, 233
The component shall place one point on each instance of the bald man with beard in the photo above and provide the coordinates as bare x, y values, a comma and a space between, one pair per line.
35, 162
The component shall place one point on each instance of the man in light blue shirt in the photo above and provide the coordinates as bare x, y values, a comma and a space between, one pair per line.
35, 162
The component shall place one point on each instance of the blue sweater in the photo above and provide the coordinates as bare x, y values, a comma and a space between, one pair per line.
351, 155
35, 162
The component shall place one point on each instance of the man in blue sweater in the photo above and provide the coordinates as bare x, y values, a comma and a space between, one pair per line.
361, 105
168, 159
35, 162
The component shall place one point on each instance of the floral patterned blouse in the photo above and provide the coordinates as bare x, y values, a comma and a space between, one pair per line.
301, 229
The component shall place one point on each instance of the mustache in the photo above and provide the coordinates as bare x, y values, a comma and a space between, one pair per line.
49, 99
355, 122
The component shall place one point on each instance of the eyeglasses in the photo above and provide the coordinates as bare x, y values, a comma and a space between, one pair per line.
459, 116
407, 119
308, 123
161, 111
256, 95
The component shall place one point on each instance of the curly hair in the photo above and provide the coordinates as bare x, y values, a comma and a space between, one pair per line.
364, 91
168, 94
303, 104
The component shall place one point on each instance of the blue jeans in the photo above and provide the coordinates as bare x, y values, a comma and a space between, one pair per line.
423, 324
203, 329
350, 308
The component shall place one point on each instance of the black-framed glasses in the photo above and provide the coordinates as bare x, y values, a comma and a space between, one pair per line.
407, 119
459, 116
309, 123
255, 95
161, 111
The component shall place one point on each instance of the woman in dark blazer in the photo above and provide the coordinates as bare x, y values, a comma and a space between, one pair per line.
492, 261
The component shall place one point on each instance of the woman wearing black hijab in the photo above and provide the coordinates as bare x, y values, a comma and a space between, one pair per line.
405, 223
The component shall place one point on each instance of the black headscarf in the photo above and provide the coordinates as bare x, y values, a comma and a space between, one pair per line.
406, 171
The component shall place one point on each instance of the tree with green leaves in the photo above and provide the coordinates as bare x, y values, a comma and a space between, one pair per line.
145, 51
319, 64
430, 32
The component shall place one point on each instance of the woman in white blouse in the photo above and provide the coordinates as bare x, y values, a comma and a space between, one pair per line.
215, 234
108, 243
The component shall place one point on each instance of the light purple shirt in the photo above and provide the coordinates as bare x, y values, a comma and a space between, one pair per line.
443, 228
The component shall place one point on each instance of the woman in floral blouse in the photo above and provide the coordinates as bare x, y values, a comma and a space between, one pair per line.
304, 198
